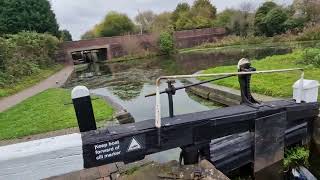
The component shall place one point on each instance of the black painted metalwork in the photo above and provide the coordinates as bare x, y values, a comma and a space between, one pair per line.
191, 85
244, 81
229, 137
171, 90
194, 131
84, 113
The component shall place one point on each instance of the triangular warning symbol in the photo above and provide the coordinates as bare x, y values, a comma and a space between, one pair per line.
134, 145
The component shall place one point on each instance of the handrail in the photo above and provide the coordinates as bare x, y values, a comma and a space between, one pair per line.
191, 85
158, 81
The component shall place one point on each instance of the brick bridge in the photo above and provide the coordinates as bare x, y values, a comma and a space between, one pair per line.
117, 46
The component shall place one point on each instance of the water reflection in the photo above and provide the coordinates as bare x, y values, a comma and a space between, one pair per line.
142, 108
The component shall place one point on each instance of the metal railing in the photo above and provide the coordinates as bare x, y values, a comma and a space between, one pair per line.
158, 81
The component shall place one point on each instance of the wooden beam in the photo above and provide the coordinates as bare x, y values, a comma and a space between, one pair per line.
131, 142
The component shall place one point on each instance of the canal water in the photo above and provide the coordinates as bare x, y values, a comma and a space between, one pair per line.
128, 82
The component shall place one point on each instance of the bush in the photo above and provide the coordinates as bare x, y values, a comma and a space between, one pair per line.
166, 43
274, 21
311, 56
310, 33
3, 53
294, 24
235, 40
25, 53
297, 156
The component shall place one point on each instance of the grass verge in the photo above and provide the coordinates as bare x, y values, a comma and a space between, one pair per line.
46, 112
276, 84
29, 81
227, 47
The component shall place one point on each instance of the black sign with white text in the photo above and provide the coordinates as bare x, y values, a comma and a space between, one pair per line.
113, 151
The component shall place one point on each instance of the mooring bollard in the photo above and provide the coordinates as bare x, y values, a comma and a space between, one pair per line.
83, 107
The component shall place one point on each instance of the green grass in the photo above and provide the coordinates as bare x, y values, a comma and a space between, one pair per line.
29, 81
276, 84
215, 47
223, 48
46, 112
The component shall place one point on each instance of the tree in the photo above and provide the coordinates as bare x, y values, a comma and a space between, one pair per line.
200, 15
203, 13
224, 18
308, 9
294, 24
246, 7
236, 22
27, 15
114, 24
260, 25
65, 35
145, 20
162, 22
275, 20
203, 8
269, 19
184, 22
181, 9
88, 35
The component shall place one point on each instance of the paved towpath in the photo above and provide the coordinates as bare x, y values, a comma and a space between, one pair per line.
56, 80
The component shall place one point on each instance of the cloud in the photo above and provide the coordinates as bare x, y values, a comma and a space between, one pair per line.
81, 15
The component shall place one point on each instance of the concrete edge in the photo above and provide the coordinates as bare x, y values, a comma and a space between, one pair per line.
121, 114
221, 94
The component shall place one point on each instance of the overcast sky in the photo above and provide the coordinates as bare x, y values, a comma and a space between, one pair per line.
79, 16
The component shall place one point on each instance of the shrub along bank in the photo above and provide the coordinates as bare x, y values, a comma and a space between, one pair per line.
276, 84
23, 55
46, 112
309, 34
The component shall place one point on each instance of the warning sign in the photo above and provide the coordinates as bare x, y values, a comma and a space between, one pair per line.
114, 150
134, 145
107, 150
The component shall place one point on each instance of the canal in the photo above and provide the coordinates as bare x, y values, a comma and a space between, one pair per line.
127, 83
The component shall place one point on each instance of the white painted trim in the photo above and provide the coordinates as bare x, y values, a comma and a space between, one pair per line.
242, 62
80, 91
42, 158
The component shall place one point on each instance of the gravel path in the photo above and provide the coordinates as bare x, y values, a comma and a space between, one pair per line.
53, 81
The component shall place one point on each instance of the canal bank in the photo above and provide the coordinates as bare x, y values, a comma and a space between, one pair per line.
221, 94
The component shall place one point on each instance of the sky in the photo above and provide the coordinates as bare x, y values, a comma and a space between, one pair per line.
79, 16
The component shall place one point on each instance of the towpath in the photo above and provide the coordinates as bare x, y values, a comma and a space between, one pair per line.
56, 80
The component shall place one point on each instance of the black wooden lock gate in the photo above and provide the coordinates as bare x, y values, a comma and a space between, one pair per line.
229, 137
